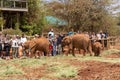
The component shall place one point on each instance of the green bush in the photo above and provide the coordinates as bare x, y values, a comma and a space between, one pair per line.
12, 32
28, 29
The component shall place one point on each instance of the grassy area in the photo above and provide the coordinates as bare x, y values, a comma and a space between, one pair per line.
63, 71
101, 59
56, 67
111, 51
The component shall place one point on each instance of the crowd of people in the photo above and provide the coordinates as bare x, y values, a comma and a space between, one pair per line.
12, 45
56, 39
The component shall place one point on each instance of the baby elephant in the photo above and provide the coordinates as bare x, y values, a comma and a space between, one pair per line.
96, 47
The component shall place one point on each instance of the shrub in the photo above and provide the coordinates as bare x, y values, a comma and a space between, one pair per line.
12, 32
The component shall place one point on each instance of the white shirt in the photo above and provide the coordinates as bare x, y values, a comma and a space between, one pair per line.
98, 36
23, 40
52, 34
15, 43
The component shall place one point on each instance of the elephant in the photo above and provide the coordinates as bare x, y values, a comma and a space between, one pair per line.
80, 41
25, 48
97, 47
66, 41
38, 45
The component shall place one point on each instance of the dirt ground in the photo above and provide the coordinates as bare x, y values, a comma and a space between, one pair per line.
87, 70
93, 70
114, 55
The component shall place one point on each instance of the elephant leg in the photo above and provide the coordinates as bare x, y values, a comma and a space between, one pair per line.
90, 50
37, 54
46, 53
63, 50
95, 53
73, 51
98, 52
84, 52
68, 52
79, 51
32, 54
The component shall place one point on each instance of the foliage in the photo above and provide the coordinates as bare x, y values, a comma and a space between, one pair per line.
1, 23
17, 26
118, 19
34, 19
12, 31
114, 30
88, 15
28, 29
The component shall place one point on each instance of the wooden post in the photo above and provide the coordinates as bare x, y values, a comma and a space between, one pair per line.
1, 3
108, 43
11, 20
17, 24
14, 4
102, 41
26, 4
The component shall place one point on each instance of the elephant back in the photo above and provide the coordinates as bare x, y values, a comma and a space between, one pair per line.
42, 43
80, 41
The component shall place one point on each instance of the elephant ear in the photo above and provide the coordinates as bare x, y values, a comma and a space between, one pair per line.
32, 44
69, 39
26, 44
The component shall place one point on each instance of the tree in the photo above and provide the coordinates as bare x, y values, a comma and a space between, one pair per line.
2, 21
34, 20
86, 15
118, 19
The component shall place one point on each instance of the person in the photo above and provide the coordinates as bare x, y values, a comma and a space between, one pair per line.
23, 40
93, 37
14, 46
54, 50
51, 33
36, 36
105, 41
7, 46
59, 42
51, 44
99, 37
71, 32
20, 49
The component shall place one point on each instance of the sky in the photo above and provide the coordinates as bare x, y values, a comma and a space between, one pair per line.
117, 4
